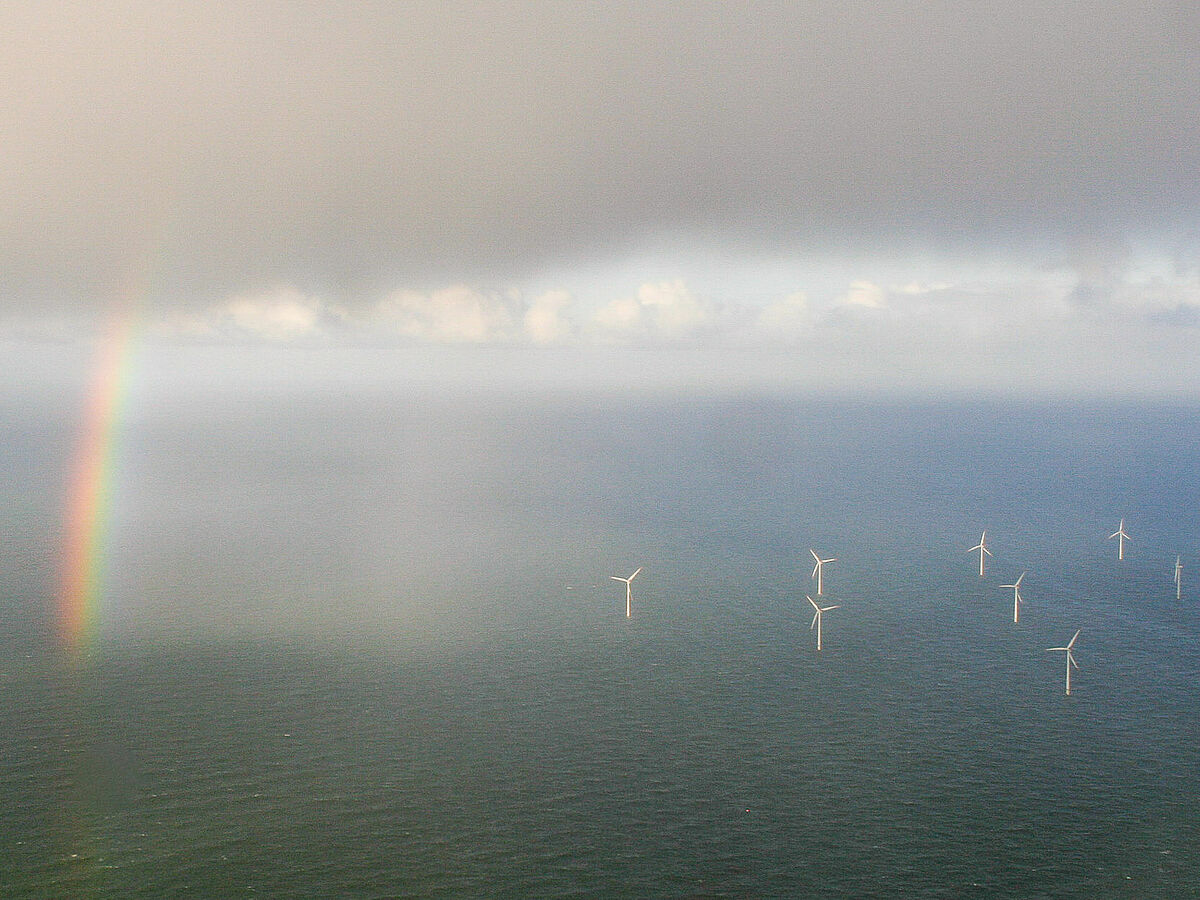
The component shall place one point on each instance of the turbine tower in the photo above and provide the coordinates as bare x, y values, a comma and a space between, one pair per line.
819, 570
1017, 598
1178, 578
628, 590
1070, 658
1121, 537
816, 622
982, 548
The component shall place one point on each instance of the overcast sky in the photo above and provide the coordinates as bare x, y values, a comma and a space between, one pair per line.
889, 187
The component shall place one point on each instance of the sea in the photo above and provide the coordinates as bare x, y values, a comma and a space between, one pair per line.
368, 645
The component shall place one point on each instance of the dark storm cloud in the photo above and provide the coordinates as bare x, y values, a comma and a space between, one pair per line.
351, 147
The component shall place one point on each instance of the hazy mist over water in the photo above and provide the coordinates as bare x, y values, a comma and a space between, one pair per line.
399, 511
365, 643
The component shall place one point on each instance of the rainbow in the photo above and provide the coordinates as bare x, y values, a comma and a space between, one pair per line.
91, 486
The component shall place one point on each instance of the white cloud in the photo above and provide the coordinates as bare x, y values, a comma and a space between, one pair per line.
925, 323
663, 310
622, 317
544, 320
280, 315
864, 294
674, 308
453, 315
916, 288
1020, 329
784, 320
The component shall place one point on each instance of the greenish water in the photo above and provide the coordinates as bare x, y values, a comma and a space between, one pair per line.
338, 665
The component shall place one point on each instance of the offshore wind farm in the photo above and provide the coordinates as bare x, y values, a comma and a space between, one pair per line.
547, 449
447, 704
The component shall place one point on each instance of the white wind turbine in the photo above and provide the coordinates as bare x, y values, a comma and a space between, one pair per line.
1178, 578
628, 590
1121, 537
819, 570
816, 622
982, 548
1070, 658
1017, 598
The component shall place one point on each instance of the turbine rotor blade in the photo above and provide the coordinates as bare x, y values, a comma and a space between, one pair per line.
1071, 643
635, 574
810, 600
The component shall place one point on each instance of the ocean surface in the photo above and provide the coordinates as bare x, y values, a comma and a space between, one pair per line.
368, 646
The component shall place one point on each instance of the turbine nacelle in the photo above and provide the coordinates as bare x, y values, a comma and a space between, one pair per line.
629, 579
1070, 657
819, 570
1017, 598
816, 619
1121, 537
982, 548
628, 590
1016, 586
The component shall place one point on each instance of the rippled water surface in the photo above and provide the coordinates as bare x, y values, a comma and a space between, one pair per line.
371, 650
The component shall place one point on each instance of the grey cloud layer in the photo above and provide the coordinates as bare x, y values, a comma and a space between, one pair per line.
352, 149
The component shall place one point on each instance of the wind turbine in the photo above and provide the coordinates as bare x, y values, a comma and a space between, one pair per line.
628, 590
1070, 658
982, 548
816, 622
1121, 537
1178, 578
1017, 598
819, 570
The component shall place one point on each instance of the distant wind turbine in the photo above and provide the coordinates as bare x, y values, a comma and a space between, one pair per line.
1178, 578
628, 590
1121, 537
1070, 658
1017, 598
982, 548
819, 570
816, 622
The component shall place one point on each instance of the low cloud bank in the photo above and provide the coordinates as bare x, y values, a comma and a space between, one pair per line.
670, 313
1060, 330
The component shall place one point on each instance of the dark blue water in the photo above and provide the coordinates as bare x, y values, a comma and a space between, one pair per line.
370, 648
